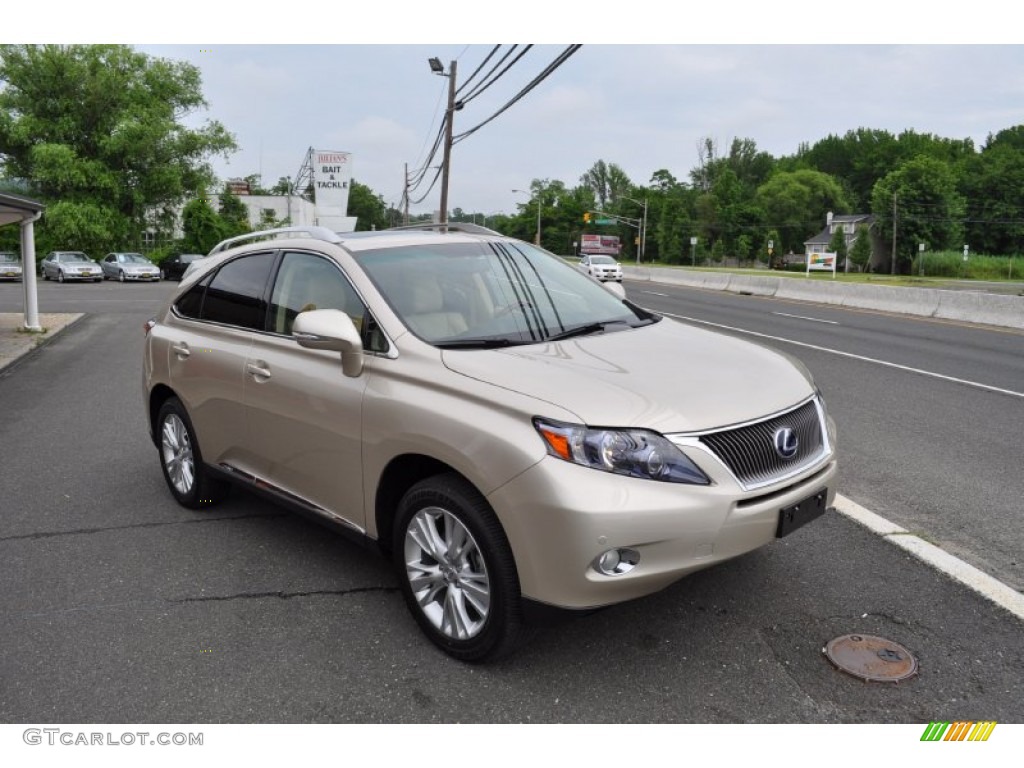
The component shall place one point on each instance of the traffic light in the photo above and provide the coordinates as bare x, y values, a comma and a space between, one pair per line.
586, 217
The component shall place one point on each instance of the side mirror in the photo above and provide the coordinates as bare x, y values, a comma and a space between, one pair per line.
616, 288
331, 329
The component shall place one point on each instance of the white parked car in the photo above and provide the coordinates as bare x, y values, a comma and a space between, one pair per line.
602, 267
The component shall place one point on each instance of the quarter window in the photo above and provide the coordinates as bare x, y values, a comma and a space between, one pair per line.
236, 294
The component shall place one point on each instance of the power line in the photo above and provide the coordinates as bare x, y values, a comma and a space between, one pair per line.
488, 83
529, 87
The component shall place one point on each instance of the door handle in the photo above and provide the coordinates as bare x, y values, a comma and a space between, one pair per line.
181, 350
258, 370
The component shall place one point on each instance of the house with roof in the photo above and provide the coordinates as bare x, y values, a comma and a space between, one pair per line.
849, 225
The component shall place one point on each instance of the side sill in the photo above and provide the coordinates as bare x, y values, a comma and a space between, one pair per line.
295, 504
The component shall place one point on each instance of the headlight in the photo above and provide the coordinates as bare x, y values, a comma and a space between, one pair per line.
632, 452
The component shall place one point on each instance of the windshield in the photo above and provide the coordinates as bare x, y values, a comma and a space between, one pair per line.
602, 260
493, 294
9, 258
72, 257
132, 258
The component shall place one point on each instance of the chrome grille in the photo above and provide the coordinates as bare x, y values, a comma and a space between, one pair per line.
749, 451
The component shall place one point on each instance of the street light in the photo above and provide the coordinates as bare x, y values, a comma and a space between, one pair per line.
524, 192
438, 69
643, 229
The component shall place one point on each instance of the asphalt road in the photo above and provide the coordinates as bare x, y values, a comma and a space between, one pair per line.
120, 606
930, 414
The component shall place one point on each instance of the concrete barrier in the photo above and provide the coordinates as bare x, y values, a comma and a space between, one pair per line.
987, 308
921, 302
967, 306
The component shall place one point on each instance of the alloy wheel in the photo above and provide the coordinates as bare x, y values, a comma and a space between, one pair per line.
447, 573
176, 451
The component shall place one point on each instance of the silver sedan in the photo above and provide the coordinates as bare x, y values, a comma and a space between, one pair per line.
70, 265
10, 266
129, 266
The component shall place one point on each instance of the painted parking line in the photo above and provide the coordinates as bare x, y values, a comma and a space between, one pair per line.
979, 581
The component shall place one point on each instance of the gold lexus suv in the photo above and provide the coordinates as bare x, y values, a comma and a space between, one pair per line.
513, 434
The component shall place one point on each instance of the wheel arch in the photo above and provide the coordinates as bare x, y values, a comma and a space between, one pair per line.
401, 474
159, 395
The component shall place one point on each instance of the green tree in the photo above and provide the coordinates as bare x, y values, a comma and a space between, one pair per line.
101, 129
928, 208
607, 181
201, 226
370, 210
796, 203
837, 244
744, 247
860, 249
234, 216
993, 187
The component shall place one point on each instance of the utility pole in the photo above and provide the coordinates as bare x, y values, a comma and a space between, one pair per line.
894, 233
405, 196
446, 167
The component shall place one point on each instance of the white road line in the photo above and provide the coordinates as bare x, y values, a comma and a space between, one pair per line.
655, 293
850, 355
985, 585
811, 319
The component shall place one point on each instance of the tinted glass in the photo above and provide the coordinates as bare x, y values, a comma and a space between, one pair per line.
235, 295
191, 304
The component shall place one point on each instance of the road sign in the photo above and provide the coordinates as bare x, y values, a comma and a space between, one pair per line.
603, 221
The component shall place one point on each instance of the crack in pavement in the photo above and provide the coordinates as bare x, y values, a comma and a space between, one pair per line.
282, 595
88, 531
164, 602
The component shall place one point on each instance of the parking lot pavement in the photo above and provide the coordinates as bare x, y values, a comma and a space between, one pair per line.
15, 342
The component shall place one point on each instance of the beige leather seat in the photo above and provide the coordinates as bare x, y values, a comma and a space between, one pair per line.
426, 314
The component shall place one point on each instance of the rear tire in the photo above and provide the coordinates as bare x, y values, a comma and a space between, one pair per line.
190, 481
456, 570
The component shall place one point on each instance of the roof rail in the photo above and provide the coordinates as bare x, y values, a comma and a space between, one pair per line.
317, 233
451, 226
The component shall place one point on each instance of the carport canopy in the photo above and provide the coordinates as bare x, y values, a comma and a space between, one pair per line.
15, 209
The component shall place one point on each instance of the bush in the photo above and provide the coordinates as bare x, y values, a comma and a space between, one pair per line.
977, 267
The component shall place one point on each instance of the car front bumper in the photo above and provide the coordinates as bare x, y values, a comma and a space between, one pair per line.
560, 517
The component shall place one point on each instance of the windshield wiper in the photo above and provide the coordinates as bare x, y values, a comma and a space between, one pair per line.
477, 343
585, 330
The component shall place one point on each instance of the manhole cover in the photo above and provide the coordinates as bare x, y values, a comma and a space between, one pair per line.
871, 659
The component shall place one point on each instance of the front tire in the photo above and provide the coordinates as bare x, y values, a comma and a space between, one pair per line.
190, 481
60, 276
120, 276
456, 570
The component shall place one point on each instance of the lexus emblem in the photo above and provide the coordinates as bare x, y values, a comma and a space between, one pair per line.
786, 442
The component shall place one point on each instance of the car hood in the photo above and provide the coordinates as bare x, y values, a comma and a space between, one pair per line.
668, 377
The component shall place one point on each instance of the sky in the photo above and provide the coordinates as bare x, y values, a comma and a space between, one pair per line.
643, 90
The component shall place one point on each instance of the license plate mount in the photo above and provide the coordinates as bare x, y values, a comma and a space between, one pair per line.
799, 514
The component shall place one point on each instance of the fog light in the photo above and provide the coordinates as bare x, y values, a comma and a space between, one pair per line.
616, 562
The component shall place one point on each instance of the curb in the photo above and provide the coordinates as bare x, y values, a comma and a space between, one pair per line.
16, 345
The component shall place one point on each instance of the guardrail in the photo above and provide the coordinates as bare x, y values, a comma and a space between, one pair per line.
968, 306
